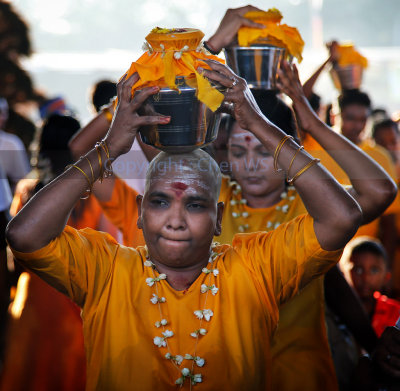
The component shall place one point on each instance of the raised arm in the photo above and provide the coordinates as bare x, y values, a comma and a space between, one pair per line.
83, 141
44, 217
372, 187
336, 214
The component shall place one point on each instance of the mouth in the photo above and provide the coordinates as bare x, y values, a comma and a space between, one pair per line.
253, 179
174, 240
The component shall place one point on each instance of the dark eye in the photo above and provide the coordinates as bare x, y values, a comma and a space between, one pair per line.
264, 153
237, 154
358, 270
375, 270
159, 203
195, 206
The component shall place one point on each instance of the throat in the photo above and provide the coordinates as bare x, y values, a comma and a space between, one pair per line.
179, 279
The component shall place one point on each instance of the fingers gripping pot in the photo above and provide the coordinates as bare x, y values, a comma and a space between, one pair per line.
259, 52
170, 62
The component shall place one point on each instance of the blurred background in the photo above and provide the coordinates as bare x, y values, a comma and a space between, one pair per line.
78, 42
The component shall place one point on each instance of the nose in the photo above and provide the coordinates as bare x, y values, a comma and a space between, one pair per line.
251, 164
176, 218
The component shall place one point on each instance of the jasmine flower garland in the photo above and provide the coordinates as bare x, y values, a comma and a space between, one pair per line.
204, 314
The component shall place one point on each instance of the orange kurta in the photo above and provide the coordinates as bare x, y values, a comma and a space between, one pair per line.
256, 274
301, 358
45, 339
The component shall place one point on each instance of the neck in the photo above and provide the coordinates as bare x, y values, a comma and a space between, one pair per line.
264, 200
181, 278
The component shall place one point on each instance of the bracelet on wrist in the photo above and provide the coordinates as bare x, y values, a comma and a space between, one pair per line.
215, 53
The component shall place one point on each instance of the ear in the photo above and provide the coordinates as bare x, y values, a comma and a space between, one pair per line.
388, 277
139, 199
220, 212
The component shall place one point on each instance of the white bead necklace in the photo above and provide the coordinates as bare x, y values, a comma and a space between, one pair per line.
204, 314
238, 203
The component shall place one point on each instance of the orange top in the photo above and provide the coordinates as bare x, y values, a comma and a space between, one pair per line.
171, 53
276, 34
255, 275
300, 344
377, 153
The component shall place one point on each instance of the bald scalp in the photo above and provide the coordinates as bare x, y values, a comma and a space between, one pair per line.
196, 165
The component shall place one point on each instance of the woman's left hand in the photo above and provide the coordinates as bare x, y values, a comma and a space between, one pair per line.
289, 84
239, 100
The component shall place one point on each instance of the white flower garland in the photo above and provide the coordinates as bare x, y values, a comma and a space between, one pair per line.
238, 203
203, 315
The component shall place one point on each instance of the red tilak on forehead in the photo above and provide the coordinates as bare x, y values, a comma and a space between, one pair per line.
179, 186
247, 139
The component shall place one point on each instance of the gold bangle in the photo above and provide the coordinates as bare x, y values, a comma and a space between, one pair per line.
89, 191
278, 151
294, 157
304, 169
91, 169
107, 113
103, 145
100, 163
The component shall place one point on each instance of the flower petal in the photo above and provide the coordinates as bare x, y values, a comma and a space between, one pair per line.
150, 281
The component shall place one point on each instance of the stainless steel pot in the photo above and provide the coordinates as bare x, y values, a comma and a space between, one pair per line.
348, 77
193, 125
257, 64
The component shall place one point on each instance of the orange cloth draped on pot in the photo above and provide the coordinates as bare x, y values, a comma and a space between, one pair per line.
277, 34
348, 55
172, 53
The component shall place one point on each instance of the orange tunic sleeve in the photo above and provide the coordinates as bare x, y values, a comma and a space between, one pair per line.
294, 256
76, 263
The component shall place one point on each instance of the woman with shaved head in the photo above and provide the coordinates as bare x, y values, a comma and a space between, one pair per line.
183, 310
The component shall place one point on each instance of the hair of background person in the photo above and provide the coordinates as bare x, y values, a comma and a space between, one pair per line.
103, 92
353, 97
315, 101
56, 132
383, 124
15, 83
21, 127
14, 31
363, 245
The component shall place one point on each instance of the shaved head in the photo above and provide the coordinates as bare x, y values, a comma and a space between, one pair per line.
182, 169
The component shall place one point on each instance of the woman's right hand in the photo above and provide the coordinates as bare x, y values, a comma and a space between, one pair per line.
127, 121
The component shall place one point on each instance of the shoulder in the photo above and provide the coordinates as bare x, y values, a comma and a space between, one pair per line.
11, 141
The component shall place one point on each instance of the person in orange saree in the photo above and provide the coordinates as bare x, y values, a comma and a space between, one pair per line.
182, 311
44, 348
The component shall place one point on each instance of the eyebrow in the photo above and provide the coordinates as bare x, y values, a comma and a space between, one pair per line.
191, 198
198, 198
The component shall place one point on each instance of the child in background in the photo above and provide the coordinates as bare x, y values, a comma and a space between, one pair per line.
366, 267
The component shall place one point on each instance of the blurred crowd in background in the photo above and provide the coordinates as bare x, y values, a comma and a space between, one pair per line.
35, 128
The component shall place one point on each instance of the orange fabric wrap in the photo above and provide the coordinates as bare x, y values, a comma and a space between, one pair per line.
348, 55
175, 53
276, 34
